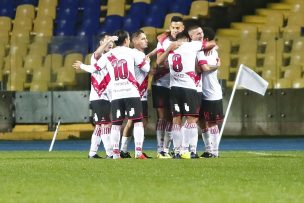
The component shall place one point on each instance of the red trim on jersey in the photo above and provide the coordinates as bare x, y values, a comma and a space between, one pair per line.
100, 87
161, 73
160, 51
195, 77
97, 67
143, 86
142, 64
202, 62
204, 44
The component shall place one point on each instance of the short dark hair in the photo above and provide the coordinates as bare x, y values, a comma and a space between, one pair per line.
103, 35
122, 36
136, 34
208, 33
177, 19
192, 27
182, 35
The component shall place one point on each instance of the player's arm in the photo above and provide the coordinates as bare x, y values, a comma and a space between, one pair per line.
162, 56
80, 65
103, 45
143, 63
207, 45
152, 53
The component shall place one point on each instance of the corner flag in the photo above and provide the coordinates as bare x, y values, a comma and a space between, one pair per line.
251, 80
248, 79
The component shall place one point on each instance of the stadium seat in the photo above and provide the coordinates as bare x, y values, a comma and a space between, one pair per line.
53, 61
46, 12
66, 77
268, 33
38, 48
224, 45
296, 19
18, 49
116, 7
297, 7
68, 4
144, 1
71, 58
151, 33
291, 32
298, 83
198, 9
30, 2
111, 24
270, 74
20, 36
282, 83
47, 3
43, 27
131, 24
12, 62
39, 86
153, 20
5, 23
181, 6
224, 70
298, 45
16, 80
4, 36
292, 72
32, 62
23, 23
7, 8
297, 58
41, 74
25, 10
87, 59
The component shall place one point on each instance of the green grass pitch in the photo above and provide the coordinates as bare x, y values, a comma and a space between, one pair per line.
68, 176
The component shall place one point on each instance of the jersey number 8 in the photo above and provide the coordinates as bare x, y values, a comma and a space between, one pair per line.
177, 63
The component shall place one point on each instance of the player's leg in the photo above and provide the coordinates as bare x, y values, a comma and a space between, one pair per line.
118, 115
95, 142
125, 139
134, 113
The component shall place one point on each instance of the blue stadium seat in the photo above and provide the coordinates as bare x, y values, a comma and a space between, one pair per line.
154, 20
90, 3
68, 4
7, 8
139, 9
180, 6
65, 28
69, 14
131, 24
111, 24
32, 2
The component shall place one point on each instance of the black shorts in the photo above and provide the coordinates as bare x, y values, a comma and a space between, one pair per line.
126, 108
211, 111
160, 97
144, 105
101, 111
184, 102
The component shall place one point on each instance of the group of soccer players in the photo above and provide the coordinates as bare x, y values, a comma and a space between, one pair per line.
185, 84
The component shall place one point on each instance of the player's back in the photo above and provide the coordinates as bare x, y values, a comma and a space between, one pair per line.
120, 64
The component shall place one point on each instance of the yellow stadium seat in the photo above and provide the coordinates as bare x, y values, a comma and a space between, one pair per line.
116, 7
43, 27
297, 58
32, 62
39, 86
270, 74
198, 9
298, 83
268, 32
298, 45
48, 11
23, 23
38, 48
16, 80
248, 46
2, 50
295, 19
151, 33
224, 45
47, 3
298, 6
5, 23
41, 74
279, 6
12, 62
53, 61
248, 59
224, 70
4, 36
18, 49
87, 59
282, 83
66, 77
20, 36
292, 72
71, 58
291, 32
25, 10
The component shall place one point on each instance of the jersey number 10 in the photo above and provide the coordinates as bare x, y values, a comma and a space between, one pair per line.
120, 69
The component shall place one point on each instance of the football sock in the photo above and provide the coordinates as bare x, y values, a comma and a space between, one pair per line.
160, 132
214, 134
95, 140
124, 143
105, 137
190, 136
115, 138
168, 137
138, 133
207, 140
177, 138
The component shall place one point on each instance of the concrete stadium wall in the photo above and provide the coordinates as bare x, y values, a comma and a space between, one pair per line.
279, 112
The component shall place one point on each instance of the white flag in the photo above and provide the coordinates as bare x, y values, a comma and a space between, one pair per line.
251, 80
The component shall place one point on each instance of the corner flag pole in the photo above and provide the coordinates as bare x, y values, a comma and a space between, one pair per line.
54, 136
230, 100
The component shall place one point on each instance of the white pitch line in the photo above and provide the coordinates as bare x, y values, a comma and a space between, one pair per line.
270, 154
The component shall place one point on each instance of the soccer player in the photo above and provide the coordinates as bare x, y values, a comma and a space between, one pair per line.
184, 96
161, 87
99, 98
211, 111
140, 43
125, 96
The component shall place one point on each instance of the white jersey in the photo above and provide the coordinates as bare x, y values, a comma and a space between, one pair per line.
182, 63
212, 89
162, 77
142, 78
120, 63
100, 79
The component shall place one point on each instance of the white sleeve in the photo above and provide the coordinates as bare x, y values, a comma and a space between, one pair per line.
197, 45
141, 62
88, 68
201, 58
